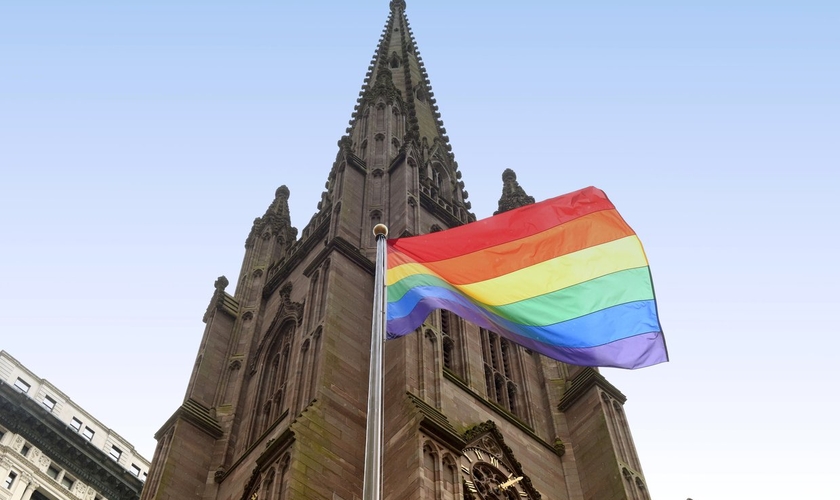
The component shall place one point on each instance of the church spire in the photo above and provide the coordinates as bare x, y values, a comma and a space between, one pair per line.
396, 138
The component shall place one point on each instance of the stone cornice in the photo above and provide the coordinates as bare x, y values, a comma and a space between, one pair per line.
275, 447
436, 424
356, 162
64, 446
448, 218
196, 414
228, 305
345, 248
350, 251
522, 426
396, 161
582, 383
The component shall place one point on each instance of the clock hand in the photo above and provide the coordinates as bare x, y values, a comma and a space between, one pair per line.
510, 482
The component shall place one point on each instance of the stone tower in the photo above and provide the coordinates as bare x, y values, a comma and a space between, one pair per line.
275, 407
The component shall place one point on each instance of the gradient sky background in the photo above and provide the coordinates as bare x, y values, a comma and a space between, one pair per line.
139, 140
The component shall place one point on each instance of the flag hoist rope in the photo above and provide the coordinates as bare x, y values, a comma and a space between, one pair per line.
373, 435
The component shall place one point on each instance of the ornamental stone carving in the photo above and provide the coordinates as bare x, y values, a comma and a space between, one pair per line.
288, 310
513, 196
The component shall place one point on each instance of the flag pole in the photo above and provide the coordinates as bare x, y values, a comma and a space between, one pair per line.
373, 436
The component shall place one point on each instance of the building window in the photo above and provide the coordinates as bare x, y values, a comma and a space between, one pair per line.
67, 482
450, 329
447, 353
76, 424
10, 480
49, 403
313, 294
22, 385
274, 378
499, 354
115, 452
25, 450
144, 477
135, 470
53, 472
88, 433
437, 179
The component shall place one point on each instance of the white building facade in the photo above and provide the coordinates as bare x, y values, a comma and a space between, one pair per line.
51, 448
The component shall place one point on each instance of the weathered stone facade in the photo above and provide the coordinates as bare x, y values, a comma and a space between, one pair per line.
276, 404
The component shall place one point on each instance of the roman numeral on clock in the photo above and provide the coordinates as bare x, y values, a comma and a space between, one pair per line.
470, 486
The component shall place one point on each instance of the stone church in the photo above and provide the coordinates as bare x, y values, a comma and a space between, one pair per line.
276, 404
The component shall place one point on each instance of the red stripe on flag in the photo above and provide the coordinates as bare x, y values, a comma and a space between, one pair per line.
503, 228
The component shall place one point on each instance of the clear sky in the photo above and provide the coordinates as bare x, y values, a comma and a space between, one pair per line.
139, 140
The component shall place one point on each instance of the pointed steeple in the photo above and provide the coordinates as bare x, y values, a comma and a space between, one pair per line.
513, 196
397, 142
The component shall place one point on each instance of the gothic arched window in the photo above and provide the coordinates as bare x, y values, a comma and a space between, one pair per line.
450, 331
270, 402
437, 177
313, 299
500, 373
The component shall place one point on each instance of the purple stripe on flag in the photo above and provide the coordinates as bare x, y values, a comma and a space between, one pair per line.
646, 347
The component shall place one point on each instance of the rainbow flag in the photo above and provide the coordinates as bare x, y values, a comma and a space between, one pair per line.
566, 277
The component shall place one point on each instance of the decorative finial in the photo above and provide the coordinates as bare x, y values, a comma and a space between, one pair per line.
513, 196
398, 4
380, 229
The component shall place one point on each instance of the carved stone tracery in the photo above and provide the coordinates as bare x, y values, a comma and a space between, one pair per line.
288, 310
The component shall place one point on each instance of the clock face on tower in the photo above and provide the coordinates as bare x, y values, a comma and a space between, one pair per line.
488, 478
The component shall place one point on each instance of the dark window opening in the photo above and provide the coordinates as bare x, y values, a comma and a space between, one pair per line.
10, 480
49, 403
22, 385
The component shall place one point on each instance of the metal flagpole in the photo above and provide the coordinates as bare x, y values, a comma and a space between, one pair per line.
373, 437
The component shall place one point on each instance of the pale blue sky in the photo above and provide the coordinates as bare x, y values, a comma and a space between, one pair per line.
138, 141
